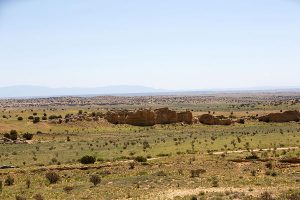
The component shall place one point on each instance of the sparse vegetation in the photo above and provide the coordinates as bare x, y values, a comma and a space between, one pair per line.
135, 161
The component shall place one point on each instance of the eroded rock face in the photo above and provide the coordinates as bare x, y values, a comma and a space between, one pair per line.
117, 117
165, 116
287, 116
185, 117
141, 118
147, 117
212, 120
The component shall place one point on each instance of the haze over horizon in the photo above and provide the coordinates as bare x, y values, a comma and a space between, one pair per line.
173, 45
124, 90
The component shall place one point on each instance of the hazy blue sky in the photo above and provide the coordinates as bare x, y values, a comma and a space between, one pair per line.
174, 44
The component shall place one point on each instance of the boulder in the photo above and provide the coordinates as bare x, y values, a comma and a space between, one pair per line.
287, 116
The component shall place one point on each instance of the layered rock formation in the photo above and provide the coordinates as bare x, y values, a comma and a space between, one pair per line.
147, 117
165, 116
185, 117
212, 120
287, 116
141, 118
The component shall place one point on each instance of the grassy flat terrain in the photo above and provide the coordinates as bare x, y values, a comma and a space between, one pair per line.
240, 161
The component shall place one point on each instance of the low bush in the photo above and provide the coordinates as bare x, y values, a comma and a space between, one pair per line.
36, 120
18, 197
38, 197
87, 160
95, 179
9, 181
13, 135
52, 177
266, 196
28, 136
140, 159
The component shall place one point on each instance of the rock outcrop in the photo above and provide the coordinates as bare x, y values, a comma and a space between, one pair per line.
185, 117
212, 120
287, 116
116, 117
147, 117
140, 118
165, 116
5, 140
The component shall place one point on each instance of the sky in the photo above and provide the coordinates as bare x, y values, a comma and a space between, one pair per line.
168, 44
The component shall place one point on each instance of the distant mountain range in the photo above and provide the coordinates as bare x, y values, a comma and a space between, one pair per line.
23, 91
39, 91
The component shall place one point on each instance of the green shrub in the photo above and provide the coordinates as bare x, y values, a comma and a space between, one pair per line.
140, 159
36, 120
87, 160
28, 136
193, 198
13, 135
241, 121
51, 117
20, 118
